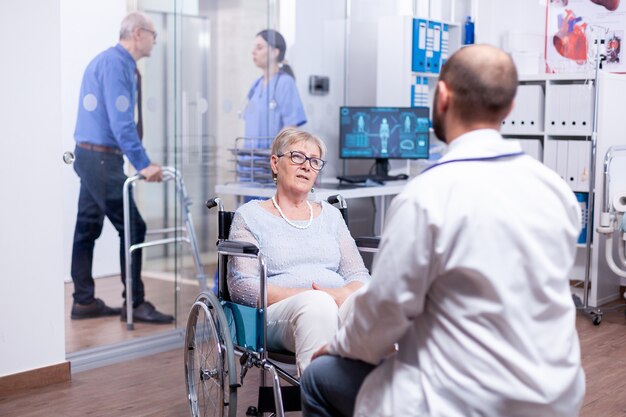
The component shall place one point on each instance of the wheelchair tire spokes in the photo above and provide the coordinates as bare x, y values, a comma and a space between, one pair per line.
208, 360
205, 365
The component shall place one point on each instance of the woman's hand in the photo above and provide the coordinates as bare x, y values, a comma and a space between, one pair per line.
340, 294
322, 351
276, 293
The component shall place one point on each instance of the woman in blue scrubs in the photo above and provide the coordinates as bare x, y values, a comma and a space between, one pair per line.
273, 99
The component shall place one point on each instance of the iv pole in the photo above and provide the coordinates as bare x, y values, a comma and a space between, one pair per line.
594, 313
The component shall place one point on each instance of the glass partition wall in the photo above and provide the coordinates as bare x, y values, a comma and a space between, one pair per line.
196, 88
194, 85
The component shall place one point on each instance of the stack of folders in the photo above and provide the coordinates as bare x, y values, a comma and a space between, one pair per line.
430, 45
419, 92
528, 113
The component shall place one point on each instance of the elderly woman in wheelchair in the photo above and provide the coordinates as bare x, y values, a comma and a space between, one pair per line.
313, 264
311, 268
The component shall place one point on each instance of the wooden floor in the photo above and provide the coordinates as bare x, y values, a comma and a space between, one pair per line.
160, 290
154, 386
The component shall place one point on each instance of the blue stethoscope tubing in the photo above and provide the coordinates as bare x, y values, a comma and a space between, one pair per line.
485, 158
272, 104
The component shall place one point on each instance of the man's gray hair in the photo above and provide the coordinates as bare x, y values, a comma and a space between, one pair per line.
131, 22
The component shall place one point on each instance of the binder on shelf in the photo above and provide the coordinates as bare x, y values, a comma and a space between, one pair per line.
583, 200
561, 158
581, 108
563, 109
559, 98
572, 174
549, 155
533, 148
419, 92
533, 108
434, 29
445, 44
509, 124
420, 29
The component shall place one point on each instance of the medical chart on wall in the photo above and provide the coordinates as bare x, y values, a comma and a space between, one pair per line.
572, 26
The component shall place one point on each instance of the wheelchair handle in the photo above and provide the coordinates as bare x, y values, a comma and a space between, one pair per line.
343, 207
337, 198
215, 201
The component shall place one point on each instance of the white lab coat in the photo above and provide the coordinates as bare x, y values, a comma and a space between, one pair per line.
471, 281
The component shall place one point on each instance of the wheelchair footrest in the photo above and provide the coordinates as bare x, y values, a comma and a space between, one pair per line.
291, 399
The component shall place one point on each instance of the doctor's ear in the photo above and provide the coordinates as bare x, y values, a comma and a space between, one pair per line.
443, 94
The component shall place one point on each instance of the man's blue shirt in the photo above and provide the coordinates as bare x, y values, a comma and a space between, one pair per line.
106, 109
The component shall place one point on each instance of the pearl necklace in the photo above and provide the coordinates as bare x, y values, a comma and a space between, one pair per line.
289, 222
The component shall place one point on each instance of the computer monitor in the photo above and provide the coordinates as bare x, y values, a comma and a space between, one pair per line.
384, 133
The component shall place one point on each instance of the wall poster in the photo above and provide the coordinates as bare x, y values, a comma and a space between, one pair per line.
572, 26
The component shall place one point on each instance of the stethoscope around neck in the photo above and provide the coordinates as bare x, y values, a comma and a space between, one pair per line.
272, 105
478, 159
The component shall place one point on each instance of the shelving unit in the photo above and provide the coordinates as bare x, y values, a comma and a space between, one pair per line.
560, 139
396, 81
563, 143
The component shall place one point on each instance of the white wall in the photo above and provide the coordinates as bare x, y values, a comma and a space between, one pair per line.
86, 29
317, 48
496, 17
31, 288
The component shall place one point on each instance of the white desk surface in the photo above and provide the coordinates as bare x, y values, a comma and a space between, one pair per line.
321, 193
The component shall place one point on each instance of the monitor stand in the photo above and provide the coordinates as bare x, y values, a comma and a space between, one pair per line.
381, 168
380, 175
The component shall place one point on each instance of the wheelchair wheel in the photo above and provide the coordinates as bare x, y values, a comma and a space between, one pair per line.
210, 369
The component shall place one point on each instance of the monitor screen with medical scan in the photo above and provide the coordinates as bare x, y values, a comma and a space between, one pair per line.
384, 132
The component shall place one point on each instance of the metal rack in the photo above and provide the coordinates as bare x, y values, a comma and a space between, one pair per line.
251, 157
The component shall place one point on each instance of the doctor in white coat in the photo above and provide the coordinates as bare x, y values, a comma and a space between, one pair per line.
471, 281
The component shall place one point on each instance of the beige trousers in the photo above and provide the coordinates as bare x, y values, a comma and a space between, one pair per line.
304, 322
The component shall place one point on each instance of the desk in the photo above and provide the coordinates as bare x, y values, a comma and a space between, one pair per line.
322, 193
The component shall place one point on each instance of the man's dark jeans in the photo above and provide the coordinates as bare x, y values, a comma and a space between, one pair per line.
101, 185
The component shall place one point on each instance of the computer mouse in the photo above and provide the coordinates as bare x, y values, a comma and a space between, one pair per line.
402, 177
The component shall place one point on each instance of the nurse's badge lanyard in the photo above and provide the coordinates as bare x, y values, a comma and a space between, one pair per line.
485, 158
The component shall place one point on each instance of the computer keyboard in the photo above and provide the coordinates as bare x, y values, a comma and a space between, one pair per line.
357, 179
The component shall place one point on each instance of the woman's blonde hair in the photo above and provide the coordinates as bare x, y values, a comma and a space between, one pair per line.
289, 136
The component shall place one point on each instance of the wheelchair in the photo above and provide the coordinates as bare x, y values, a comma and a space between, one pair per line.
219, 331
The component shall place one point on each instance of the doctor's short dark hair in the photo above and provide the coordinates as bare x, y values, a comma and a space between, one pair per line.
483, 81
275, 40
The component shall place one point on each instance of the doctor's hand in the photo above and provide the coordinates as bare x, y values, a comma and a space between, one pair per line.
321, 352
340, 294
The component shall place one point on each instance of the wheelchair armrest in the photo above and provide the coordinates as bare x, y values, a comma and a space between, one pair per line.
367, 242
235, 247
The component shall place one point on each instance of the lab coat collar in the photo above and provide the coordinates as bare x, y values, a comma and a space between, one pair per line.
481, 143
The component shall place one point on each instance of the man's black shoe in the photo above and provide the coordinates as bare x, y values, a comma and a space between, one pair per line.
146, 313
96, 308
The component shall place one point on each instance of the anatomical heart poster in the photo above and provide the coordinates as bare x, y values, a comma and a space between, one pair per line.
572, 27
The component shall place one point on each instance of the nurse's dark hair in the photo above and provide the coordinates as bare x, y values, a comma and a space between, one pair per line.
483, 82
276, 41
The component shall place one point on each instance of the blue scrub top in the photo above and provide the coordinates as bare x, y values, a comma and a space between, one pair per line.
271, 108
